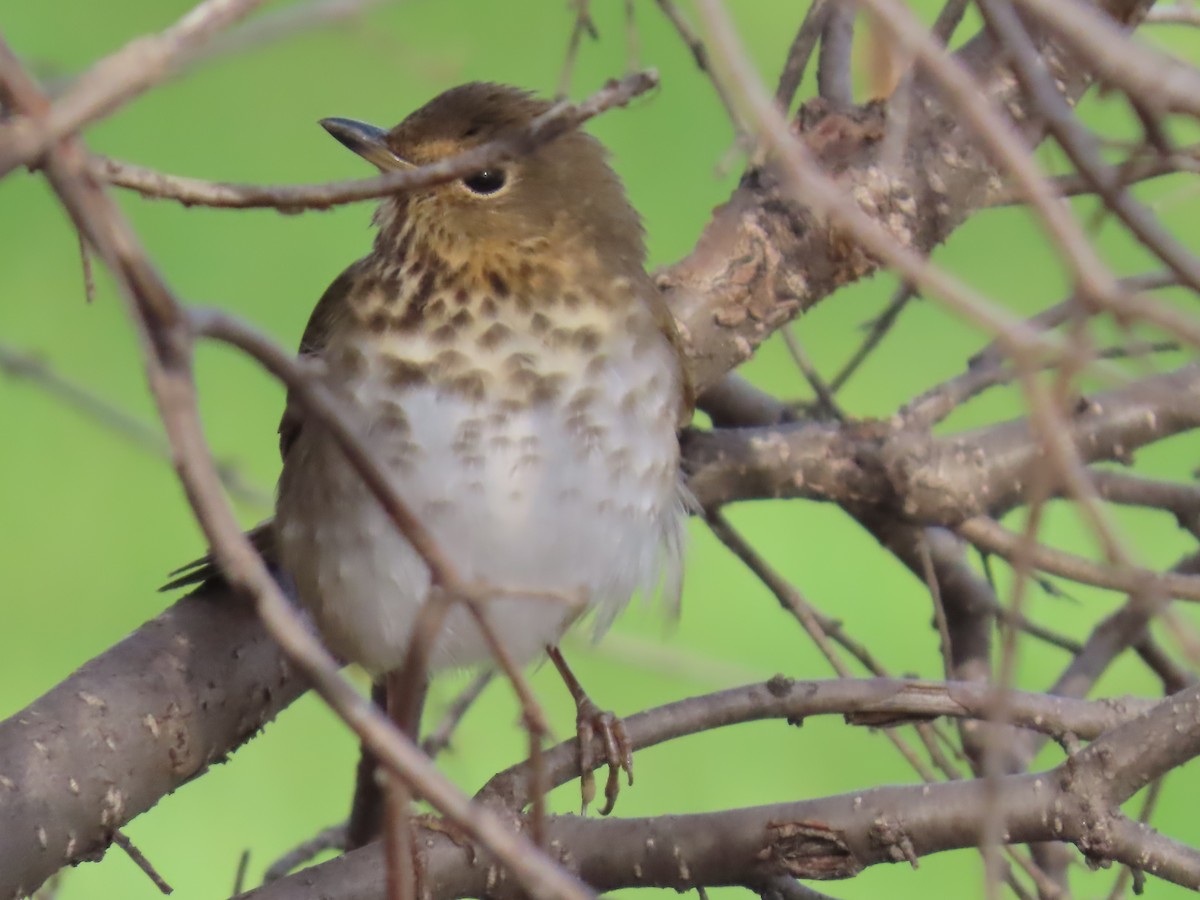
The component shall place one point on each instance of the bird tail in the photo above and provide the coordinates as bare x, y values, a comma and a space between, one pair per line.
205, 572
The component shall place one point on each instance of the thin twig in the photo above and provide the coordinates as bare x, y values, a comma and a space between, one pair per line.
991, 536
826, 401
988, 369
558, 120
1127, 873
283, 23
700, 55
809, 619
1081, 146
835, 82
948, 20
878, 330
89, 278
633, 42
995, 752
331, 838
439, 739
581, 25
116, 80
1138, 69
800, 51
336, 837
1135, 169
139, 859
21, 364
239, 875
939, 611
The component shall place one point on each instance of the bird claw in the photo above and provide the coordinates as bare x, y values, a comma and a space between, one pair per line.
618, 753
590, 721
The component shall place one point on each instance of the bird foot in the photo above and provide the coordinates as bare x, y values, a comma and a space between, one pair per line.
618, 752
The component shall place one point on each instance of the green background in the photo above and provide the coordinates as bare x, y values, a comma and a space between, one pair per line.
90, 524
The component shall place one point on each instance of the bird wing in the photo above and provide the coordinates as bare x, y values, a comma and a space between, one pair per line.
204, 570
316, 334
323, 321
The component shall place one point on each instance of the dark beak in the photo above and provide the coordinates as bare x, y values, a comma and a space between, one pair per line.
367, 141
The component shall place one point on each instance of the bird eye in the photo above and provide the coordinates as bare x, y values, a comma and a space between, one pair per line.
486, 182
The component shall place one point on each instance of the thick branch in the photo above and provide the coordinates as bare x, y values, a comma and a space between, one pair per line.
836, 837
932, 481
763, 259
131, 726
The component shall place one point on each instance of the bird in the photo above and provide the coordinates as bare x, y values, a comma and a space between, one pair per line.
513, 367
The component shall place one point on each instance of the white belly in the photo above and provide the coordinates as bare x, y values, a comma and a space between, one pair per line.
518, 500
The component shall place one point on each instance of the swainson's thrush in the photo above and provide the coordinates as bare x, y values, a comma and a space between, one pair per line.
514, 368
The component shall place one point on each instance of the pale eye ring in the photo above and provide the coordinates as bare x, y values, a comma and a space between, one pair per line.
486, 182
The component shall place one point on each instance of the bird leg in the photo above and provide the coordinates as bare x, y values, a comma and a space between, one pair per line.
366, 810
404, 876
590, 720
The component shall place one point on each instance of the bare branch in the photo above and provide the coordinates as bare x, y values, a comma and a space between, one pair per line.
868, 702
994, 538
834, 81
563, 117
1167, 84
1136, 169
115, 80
139, 859
836, 837
933, 481
801, 50
700, 55
1081, 146
157, 733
